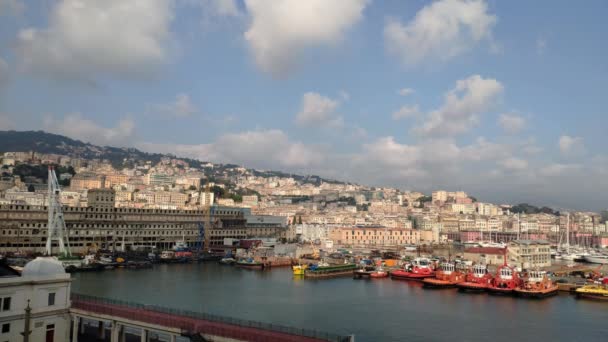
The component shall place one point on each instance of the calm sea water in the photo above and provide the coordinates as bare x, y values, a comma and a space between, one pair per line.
373, 310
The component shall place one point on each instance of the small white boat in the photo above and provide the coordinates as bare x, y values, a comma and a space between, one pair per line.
597, 259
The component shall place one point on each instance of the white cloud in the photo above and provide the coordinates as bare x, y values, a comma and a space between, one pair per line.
11, 7
440, 31
223, 7
181, 107
514, 164
558, 169
77, 127
318, 110
405, 91
406, 112
512, 123
462, 107
571, 145
86, 39
259, 149
281, 30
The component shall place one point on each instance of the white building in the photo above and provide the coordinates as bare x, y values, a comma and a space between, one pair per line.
44, 288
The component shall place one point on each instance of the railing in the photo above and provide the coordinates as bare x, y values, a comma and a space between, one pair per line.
81, 301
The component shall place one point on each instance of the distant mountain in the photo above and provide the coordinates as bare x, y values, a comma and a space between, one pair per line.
43, 142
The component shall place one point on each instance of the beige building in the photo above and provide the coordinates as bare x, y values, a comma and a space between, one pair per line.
115, 179
377, 236
530, 254
85, 181
101, 198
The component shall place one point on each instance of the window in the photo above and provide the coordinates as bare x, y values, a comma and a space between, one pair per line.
6, 327
51, 298
6, 303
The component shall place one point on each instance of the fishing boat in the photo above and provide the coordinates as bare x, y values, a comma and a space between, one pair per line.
476, 280
446, 277
597, 259
418, 269
505, 281
536, 285
593, 292
298, 270
250, 263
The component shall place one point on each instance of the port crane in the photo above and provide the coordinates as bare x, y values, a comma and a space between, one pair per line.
204, 237
56, 228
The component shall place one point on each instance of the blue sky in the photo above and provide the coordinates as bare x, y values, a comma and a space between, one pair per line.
503, 99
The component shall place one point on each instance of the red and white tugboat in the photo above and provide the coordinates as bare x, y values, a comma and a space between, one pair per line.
536, 285
476, 280
505, 280
446, 277
379, 272
418, 269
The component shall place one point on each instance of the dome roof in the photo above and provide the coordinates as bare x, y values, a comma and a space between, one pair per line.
43, 267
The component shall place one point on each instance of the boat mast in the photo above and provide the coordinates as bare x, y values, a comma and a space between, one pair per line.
568, 233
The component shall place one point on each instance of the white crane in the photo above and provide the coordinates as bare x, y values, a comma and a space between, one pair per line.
56, 224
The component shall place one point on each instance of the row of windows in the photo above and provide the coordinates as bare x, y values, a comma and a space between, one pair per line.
127, 210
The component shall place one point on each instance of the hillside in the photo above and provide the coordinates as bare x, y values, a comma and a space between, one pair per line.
43, 142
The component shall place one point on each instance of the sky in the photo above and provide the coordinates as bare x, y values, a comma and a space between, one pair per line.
503, 99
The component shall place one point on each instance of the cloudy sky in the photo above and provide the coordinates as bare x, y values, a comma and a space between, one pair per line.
503, 99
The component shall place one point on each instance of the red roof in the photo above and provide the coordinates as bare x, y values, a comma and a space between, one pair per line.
486, 250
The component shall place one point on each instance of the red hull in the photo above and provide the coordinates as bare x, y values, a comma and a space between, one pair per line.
410, 275
433, 283
379, 275
470, 286
500, 290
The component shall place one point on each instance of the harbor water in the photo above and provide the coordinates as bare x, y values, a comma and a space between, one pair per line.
372, 310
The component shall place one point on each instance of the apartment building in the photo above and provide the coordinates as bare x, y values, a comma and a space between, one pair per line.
530, 254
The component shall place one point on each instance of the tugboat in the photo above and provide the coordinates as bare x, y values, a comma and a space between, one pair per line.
418, 269
505, 281
593, 292
445, 278
536, 285
476, 280
298, 270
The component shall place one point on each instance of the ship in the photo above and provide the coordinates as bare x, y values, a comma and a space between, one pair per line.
446, 277
505, 281
596, 259
418, 269
536, 285
324, 270
476, 280
379, 272
593, 292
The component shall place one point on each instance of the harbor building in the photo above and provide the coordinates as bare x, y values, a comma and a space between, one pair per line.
37, 300
530, 254
24, 228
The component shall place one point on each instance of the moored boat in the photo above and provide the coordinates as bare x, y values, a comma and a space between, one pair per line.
476, 280
593, 292
329, 271
536, 285
250, 264
596, 259
446, 277
227, 261
418, 269
298, 270
378, 273
505, 281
